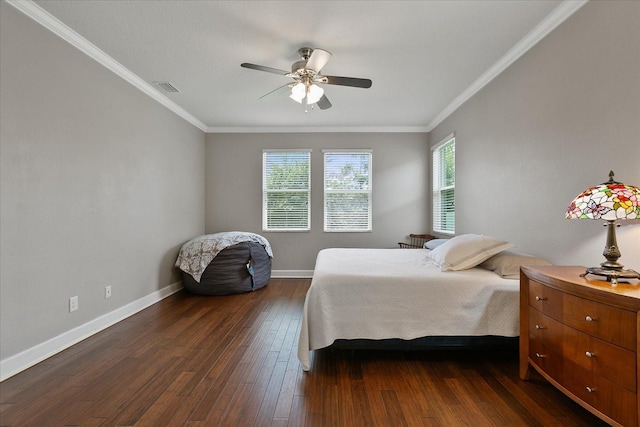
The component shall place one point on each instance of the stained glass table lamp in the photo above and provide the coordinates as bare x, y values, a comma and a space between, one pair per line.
610, 201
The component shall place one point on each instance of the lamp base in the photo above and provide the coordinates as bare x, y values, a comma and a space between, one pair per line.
612, 275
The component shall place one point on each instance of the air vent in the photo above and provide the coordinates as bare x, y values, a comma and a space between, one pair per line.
167, 87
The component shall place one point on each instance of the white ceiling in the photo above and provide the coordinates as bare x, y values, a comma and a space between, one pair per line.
424, 57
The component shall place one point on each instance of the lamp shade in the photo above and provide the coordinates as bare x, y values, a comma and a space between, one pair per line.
315, 93
312, 92
298, 92
609, 201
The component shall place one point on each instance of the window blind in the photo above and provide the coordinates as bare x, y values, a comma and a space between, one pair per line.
347, 191
444, 182
286, 187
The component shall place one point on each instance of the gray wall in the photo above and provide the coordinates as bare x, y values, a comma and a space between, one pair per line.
550, 126
400, 183
100, 186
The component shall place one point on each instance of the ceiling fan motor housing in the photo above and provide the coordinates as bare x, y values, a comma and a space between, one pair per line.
305, 53
298, 66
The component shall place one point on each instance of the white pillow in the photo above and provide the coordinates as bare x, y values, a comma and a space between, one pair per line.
466, 251
507, 264
434, 243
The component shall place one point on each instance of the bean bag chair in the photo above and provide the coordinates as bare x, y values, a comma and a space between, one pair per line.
225, 263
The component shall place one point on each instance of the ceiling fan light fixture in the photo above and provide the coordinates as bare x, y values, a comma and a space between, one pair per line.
305, 74
314, 94
298, 92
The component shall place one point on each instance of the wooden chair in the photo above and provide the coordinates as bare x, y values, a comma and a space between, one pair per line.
416, 241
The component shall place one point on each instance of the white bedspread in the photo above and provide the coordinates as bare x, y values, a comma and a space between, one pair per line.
195, 255
397, 293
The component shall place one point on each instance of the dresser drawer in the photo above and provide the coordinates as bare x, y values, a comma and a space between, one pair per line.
582, 334
609, 398
602, 358
546, 300
546, 359
608, 323
546, 330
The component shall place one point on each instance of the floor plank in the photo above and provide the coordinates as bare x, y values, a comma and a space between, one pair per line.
232, 361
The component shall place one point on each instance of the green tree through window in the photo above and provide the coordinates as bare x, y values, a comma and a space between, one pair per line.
444, 183
286, 191
347, 191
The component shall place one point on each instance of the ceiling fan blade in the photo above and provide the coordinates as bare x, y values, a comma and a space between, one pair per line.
346, 81
278, 89
318, 59
263, 68
323, 103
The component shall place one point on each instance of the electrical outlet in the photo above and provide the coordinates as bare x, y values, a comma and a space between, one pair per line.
107, 292
73, 304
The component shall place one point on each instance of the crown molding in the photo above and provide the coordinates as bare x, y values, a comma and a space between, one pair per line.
44, 18
315, 129
555, 18
57, 27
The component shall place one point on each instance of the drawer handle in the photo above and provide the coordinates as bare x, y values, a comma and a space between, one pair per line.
540, 327
589, 354
589, 319
540, 298
540, 356
591, 389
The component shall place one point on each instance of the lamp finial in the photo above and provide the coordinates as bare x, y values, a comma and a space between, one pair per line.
611, 180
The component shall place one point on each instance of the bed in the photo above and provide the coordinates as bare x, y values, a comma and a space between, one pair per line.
225, 263
380, 294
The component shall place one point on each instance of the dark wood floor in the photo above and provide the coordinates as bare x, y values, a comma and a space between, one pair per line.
231, 361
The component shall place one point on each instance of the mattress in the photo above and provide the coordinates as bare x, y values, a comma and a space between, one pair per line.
380, 294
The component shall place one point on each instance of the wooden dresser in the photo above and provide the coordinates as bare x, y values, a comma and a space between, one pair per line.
581, 334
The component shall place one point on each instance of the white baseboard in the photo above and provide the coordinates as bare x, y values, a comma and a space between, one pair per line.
25, 359
292, 274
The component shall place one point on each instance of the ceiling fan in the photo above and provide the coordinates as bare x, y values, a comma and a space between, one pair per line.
306, 76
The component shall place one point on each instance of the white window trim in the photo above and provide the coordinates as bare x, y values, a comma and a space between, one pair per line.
369, 191
264, 192
436, 147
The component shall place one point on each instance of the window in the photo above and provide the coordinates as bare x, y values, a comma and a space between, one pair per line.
444, 183
347, 190
286, 187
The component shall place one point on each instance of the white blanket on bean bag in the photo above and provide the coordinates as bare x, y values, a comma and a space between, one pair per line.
196, 254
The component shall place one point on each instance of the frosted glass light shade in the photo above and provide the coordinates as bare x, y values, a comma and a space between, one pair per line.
298, 92
315, 93
312, 92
